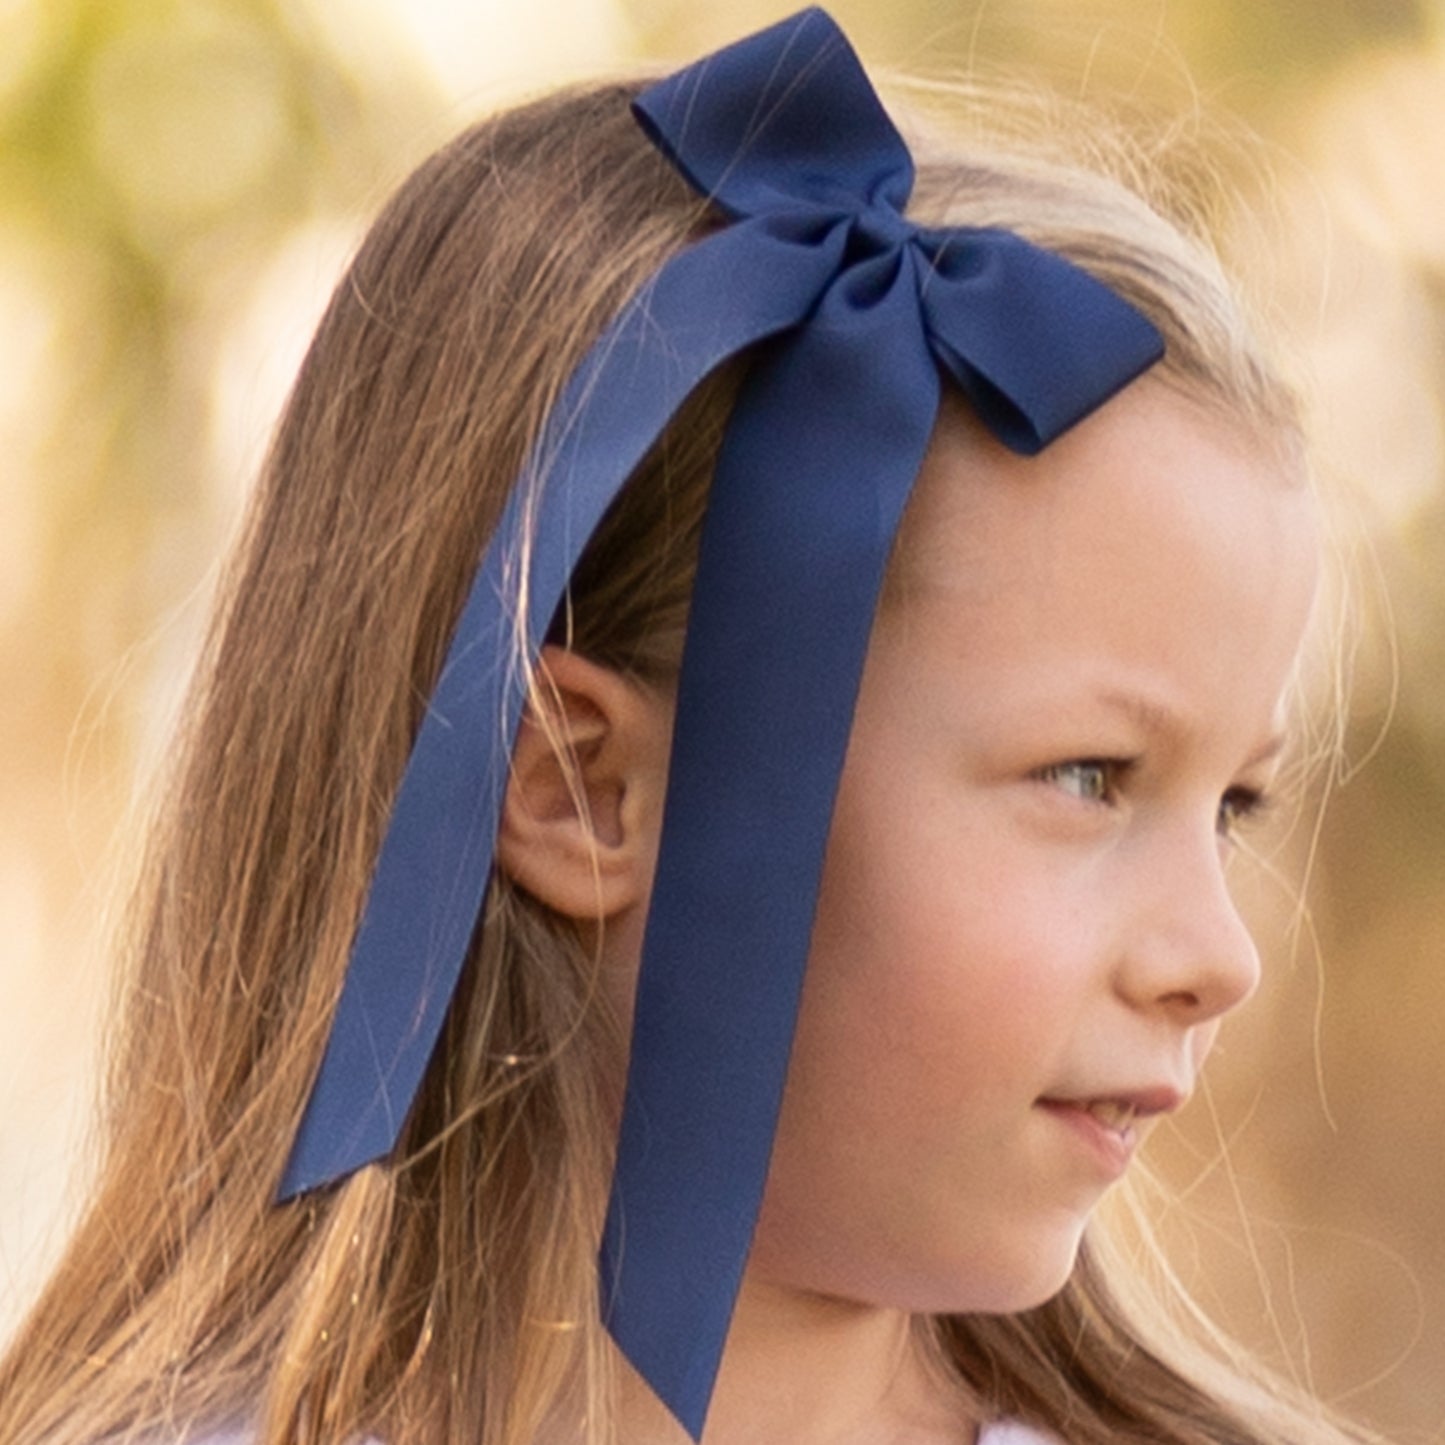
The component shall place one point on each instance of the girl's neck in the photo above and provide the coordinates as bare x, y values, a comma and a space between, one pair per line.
810, 1370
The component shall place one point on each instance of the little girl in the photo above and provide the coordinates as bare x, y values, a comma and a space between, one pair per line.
828, 968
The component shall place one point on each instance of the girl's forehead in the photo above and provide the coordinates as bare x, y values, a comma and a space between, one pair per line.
1149, 467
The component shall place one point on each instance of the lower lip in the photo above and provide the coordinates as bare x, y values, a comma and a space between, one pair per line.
1111, 1149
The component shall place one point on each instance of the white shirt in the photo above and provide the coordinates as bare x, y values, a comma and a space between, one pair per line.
1008, 1433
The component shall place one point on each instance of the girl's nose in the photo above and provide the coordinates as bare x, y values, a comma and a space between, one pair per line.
1189, 954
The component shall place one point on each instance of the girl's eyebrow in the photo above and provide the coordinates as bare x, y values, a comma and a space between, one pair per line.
1268, 750
1165, 722
1150, 714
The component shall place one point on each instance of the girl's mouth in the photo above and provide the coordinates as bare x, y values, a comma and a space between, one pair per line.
1115, 1114
1105, 1127
1108, 1125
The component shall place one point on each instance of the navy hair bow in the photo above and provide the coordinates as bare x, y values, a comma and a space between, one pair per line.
861, 312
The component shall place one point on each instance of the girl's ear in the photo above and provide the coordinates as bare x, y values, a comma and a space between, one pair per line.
583, 808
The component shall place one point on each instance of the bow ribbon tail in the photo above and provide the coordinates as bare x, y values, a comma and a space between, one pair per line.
826, 442
705, 305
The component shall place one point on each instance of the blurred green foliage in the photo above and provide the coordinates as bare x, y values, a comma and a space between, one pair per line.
151, 156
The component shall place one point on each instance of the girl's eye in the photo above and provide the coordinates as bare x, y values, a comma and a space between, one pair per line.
1098, 780
1091, 780
1238, 807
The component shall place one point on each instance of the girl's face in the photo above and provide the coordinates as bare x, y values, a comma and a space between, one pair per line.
1025, 942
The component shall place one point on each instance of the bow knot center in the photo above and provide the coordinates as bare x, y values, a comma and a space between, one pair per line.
876, 231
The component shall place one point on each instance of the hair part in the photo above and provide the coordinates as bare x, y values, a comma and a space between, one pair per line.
449, 1295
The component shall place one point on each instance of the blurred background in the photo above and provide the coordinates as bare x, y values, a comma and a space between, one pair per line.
180, 184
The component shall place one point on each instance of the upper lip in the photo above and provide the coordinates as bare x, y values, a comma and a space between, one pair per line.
1145, 1102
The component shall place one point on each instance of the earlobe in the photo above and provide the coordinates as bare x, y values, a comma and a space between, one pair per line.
583, 807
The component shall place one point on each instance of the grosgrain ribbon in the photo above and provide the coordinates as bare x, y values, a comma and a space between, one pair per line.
861, 312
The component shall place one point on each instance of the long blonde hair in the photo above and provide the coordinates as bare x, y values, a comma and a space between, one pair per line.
449, 1295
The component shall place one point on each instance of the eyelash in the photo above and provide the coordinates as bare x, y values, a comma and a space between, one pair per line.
1237, 808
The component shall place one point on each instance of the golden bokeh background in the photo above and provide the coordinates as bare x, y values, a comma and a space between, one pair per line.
180, 182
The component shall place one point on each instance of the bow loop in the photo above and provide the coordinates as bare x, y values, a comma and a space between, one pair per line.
784, 116
1023, 332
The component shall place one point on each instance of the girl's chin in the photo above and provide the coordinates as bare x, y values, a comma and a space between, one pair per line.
1022, 1272
1017, 1274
